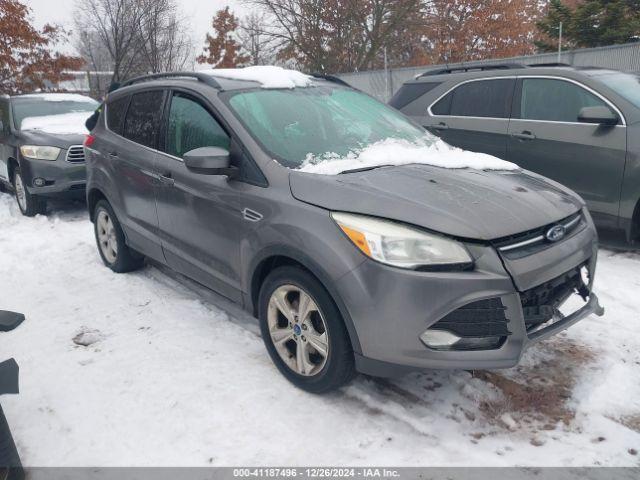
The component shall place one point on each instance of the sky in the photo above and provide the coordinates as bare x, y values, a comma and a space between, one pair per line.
198, 12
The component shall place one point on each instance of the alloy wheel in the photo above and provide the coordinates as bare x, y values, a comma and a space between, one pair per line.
107, 236
298, 330
21, 194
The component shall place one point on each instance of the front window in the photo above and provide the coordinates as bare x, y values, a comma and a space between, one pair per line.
555, 100
626, 85
35, 111
293, 125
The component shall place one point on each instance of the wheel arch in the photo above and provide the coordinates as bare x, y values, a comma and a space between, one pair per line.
634, 230
94, 195
12, 164
274, 257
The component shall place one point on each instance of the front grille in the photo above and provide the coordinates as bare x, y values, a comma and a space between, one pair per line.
532, 241
75, 154
539, 304
481, 319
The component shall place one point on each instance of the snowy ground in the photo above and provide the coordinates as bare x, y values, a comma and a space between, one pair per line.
177, 376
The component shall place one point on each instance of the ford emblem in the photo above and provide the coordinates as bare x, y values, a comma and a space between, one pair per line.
556, 233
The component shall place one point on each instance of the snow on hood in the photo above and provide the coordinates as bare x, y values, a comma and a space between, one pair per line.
63, 124
59, 97
268, 76
403, 152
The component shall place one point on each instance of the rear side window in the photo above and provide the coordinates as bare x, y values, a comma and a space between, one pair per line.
143, 118
411, 92
485, 98
191, 126
116, 111
554, 100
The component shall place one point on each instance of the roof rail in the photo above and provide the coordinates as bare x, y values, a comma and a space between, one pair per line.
331, 78
466, 68
201, 77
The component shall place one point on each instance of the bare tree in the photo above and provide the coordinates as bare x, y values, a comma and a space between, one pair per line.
258, 46
132, 36
164, 45
335, 35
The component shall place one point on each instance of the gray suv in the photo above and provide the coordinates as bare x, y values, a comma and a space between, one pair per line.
41, 154
382, 270
578, 126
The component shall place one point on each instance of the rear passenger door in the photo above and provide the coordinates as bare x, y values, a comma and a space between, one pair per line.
546, 137
475, 115
132, 155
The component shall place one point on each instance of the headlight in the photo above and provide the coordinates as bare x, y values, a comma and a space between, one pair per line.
401, 246
39, 153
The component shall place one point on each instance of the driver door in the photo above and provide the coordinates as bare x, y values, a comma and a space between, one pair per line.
200, 216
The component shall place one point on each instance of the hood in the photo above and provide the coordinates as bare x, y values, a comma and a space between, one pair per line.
39, 137
464, 203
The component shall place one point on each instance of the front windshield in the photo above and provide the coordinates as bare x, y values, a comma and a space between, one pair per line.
626, 85
294, 125
50, 105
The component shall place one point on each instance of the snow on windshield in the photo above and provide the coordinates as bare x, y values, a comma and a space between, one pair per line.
403, 152
63, 124
267, 76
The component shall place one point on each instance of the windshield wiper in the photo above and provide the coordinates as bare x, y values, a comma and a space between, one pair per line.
364, 169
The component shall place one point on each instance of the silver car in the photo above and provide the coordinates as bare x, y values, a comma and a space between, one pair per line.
381, 270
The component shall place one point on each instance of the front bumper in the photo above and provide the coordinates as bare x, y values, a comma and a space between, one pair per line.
401, 305
60, 176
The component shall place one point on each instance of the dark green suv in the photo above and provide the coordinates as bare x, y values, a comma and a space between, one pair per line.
578, 126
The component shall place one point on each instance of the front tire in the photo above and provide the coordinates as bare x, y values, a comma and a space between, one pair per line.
111, 241
304, 332
30, 205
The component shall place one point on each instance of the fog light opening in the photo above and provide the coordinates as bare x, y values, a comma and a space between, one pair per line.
39, 182
439, 339
445, 340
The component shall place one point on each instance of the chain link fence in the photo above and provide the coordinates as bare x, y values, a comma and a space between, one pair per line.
383, 84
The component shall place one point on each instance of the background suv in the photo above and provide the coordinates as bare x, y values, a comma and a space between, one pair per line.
578, 126
382, 269
41, 154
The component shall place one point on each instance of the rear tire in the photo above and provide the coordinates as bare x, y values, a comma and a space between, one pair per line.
310, 344
30, 205
111, 242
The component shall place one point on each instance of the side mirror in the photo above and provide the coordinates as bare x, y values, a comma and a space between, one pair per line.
599, 115
210, 161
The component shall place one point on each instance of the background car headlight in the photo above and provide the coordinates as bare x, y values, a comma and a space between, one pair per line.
39, 153
401, 246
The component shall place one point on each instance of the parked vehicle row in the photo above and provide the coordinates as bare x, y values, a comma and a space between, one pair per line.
41, 153
578, 126
382, 270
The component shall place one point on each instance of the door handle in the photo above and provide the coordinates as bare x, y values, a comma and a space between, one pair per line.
526, 135
113, 154
440, 126
166, 179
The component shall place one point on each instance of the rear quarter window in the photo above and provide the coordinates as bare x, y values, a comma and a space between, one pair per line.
144, 115
410, 92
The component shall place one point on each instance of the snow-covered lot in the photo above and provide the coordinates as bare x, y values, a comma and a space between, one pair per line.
173, 375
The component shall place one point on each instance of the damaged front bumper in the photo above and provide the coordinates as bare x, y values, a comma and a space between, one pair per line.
492, 308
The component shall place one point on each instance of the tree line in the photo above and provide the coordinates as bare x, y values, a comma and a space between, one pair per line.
131, 37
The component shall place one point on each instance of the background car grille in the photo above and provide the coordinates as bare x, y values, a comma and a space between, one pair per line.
481, 319
75, 154
532, 241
